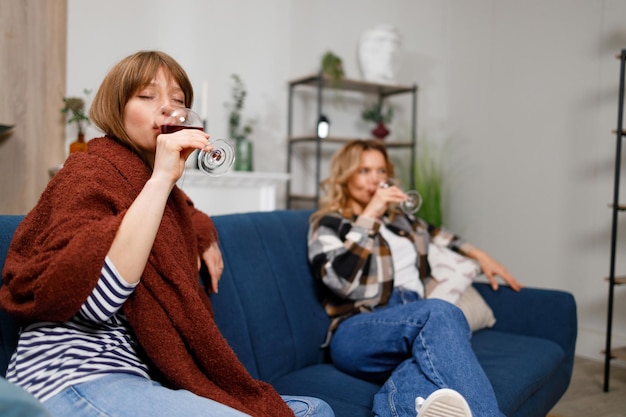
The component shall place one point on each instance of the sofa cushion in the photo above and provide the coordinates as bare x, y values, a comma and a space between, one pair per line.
538, 312
516, 365
475, 310
347, 395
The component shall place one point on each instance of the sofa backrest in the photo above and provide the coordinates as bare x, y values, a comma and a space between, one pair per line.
8, 326
268, 304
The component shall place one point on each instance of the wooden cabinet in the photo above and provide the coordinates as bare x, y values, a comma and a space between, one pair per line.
33, 50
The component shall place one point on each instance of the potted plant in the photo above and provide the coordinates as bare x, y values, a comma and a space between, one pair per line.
429, 182
377, 112
332, 67
74, 110
238, 130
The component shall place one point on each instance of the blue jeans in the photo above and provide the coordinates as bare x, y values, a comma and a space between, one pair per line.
122, 395
415, 347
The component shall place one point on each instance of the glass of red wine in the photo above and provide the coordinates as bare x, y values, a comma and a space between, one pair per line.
414, 199
214, 162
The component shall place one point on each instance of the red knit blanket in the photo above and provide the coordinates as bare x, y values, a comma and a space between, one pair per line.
57, 253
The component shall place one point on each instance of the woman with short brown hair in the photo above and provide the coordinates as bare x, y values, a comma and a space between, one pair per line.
103, 273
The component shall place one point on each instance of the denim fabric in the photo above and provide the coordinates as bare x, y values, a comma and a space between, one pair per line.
308, 406
415, 347
122, 395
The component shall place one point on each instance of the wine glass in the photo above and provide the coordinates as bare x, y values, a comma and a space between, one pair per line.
414, 199
215, 162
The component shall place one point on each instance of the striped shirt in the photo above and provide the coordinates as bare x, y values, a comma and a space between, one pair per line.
97, 341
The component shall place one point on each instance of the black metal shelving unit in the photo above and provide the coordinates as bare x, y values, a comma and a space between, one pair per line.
320, 82
609, 352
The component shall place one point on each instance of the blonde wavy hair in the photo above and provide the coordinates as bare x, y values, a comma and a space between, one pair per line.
343, 165
123, 81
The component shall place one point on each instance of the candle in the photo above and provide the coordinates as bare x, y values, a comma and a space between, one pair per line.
205, 101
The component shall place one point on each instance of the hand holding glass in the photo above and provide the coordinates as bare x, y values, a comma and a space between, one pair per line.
414, 199
215, 162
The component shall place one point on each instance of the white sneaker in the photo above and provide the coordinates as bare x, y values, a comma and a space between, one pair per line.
442, 403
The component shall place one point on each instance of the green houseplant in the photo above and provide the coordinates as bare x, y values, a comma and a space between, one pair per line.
376, 112
74, 109
429, 182
332, 66
237, 128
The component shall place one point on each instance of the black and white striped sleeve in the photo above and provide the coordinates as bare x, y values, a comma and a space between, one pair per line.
108, 296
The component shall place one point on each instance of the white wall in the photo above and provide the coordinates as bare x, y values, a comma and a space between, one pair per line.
523, 92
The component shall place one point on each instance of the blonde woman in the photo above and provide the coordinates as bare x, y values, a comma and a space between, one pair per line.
372, 259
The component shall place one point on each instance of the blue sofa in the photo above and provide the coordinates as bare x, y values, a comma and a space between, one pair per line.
269, 310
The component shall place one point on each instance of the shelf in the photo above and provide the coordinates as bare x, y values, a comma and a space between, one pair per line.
302, 197
617, 353
351, 84
319, 82
613, 280
342, 140
618, 280
620, 207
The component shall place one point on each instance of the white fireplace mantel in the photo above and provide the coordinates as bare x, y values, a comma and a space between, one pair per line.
234, 192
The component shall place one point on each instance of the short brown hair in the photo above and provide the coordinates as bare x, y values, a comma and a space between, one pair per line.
122, 82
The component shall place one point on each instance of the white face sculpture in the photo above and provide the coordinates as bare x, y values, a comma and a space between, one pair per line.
378, 54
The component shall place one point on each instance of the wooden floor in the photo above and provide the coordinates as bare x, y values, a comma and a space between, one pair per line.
585, 397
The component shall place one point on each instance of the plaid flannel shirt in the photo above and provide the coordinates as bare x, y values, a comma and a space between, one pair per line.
353, 260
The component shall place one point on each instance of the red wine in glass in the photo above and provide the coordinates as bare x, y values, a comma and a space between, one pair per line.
176, 128
214, 162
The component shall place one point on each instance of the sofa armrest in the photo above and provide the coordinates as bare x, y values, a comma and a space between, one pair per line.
545, 313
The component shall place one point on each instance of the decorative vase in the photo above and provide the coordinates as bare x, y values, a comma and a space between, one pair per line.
244, 154
378, 54
380, 131
79, 145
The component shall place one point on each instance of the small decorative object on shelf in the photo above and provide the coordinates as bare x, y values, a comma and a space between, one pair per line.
239, 131
380, 131
332, 67
245, 156
375, 112
378, 54
75, 110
